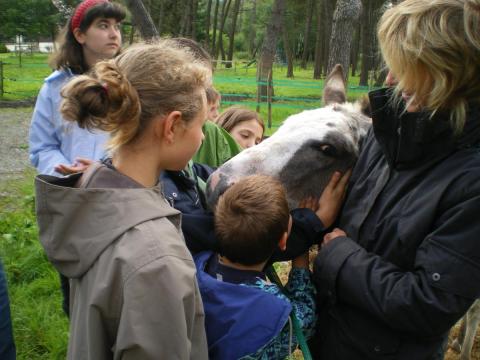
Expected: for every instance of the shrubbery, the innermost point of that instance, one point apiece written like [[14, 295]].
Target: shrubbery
[[3, 49]]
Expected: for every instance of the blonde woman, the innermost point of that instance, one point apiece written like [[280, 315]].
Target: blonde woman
[[110, 230], [405, 265]]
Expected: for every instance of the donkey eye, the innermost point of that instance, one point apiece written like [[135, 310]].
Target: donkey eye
[[328, 150]]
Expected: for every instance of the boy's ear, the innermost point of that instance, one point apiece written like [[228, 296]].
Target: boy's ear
[[168, 126], [282, 244]]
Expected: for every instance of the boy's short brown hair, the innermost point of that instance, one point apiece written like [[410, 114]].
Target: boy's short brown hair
[[250, 219], [212, 94]]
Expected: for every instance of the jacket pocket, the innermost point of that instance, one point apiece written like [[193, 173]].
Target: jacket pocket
[[449, 270], [370, 337]]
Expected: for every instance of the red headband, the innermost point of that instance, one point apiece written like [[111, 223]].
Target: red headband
[[81, 9]]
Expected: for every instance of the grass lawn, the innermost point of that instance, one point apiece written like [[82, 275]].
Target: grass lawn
[[237, 86], [23, 82], [40, 327]]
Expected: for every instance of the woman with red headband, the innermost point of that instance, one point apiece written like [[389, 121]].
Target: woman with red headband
[[91, 34], [57, 147]]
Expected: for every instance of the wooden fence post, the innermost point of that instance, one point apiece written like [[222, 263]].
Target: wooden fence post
[[259, 98], [1, 79], [269, 98]]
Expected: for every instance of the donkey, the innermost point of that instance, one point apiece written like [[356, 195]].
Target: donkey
[[468, 329], [305, 151]]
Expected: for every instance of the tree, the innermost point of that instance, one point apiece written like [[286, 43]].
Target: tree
[[324, 13], [215, 24], [142, 19], [223, 17], [286, 45], [344, 19], [355, 47], [64, 9], [32, 19], [207, 24], [306, 37], [370, 17], [269, 46], [251, 30], [236, 9]]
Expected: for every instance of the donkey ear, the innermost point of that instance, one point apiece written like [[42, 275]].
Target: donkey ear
[[334, 90]]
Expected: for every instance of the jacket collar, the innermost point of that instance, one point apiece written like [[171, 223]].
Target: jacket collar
[[411, 139]]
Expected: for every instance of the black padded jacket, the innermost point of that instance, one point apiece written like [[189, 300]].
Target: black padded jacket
[[409, 267]]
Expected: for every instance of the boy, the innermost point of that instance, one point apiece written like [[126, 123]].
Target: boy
[[219, 146], [246, 316]]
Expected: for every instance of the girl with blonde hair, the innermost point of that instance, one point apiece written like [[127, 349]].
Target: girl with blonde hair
[[404, 264], [110, 229]]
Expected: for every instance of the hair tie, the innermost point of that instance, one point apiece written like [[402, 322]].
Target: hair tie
[[105, 88], [80, 11]]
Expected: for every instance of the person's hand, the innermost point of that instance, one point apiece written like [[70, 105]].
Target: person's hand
[[79, 165], [301, 261], [332, 198], [309, 203], [332, 235]]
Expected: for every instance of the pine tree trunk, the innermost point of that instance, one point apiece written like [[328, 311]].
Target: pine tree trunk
[[161, 15], [215, 24], [269, 46], [193, 20], [344, 21], [207, 24], [252, 31], [287, 47], [370, 17], [236, 10], [355, 48], [306, 36], [223, 17], [184, 28], [328, 10], [142, 19], [319, 42]]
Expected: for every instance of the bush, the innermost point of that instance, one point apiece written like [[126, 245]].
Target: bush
[[3, 49]]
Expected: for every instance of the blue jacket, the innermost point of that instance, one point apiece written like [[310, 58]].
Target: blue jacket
[[239, 320], [7, 345], [52, 140]]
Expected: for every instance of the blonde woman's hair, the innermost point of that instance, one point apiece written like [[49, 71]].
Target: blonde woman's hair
[[122, 95], [433, 49]]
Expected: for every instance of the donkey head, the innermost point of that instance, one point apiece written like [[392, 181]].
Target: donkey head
[[305, 150]]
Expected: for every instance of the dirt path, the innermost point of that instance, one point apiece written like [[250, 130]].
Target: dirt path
[[14, 125]]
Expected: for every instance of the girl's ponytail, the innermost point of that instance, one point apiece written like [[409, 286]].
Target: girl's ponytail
[[103, 100]]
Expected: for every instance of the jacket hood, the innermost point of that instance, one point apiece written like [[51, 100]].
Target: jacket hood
[[77, 224]]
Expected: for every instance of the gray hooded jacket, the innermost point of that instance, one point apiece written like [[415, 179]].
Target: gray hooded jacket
[[133, 292]]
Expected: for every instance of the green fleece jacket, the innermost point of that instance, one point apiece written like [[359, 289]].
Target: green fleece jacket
[[218, 146]]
